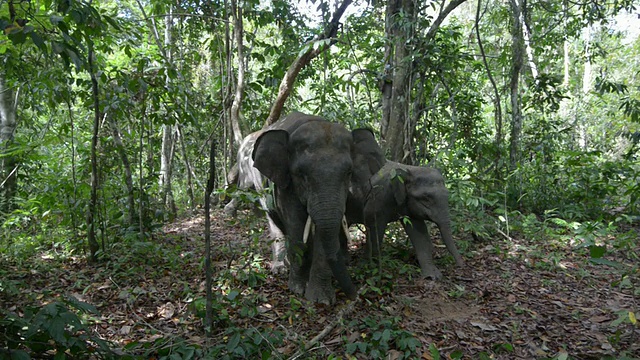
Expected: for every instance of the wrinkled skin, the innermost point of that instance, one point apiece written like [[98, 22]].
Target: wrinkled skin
[[245, 176], [377, 197], [420, 195], [295, 153]]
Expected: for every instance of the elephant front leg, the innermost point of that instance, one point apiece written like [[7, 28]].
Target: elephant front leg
[[419, 234], [319, 288], [299, 256]]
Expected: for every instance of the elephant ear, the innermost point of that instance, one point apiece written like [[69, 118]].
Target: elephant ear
[[399, 179], [271, 156], [367, 149]]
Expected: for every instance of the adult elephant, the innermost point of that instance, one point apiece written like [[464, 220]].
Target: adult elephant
[[397, 191], [245, 176], [309, 160]]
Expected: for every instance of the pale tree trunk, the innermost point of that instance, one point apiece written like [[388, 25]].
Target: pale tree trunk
[[286, 85], [226, 78], [526, 39], [587, 83], [167, 150], [166, 154], [516, 69], [8, 164], [236, 12], [566, 61], [187, 165]]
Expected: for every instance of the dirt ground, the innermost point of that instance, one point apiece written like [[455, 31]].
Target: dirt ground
[[515, 299]]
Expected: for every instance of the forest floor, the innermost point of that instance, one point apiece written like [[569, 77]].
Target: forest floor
[[515, 299]]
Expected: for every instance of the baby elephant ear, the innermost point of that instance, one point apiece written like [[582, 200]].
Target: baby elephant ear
[[399, 179], [271, 156]]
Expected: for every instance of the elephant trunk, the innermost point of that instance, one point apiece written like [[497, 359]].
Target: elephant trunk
[[447, 237], [328, 225]]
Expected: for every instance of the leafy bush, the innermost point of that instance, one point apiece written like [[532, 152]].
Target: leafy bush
[[378, 336], [53, 330]]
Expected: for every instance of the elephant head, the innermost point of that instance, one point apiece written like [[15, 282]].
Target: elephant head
[[422, 194], [309, 161]]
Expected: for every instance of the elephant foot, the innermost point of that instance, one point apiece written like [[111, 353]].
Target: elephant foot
[[431, 272], [297, 285], [278, 267], [230, 210], [320, 294]]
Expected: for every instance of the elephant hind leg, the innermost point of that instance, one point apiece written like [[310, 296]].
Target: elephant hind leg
[[278, 248]]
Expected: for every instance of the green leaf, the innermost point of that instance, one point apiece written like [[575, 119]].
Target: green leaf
[[17, 37], [597, 251], [37, 40], [56, 329], [19, 355], [82, 306], [112, 22], [435, 353], [233, 294], [233, 342], [601, 261]]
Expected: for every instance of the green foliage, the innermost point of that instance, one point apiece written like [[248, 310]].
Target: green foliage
[[376, 336], [53, 328]]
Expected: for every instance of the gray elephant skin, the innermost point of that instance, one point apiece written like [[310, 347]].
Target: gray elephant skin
[[419, 194], [309, 160], [245, 176], [397, 191]]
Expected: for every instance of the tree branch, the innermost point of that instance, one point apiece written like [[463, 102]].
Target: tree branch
[[304, 59], [441, 16]]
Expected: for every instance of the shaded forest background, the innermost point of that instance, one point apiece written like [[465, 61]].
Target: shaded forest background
[[110, 110]]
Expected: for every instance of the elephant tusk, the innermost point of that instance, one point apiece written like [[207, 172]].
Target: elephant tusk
[[307, 230], [345, 228]]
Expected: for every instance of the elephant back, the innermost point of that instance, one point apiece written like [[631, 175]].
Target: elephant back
[[293, 121]]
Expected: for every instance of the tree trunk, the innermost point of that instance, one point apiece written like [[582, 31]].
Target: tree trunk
[[93, 200], [166, 154], [496, 96], [208, 320], [8, 163], [286, 85], [526, 39], [516, 68], [128, 177], [187, 166], [396, 86], [398, 32], [236, 12]]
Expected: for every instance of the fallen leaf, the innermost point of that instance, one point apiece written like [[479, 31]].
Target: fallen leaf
[[483, 326]]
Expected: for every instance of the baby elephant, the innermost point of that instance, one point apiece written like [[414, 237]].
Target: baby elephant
[[413, 194]]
